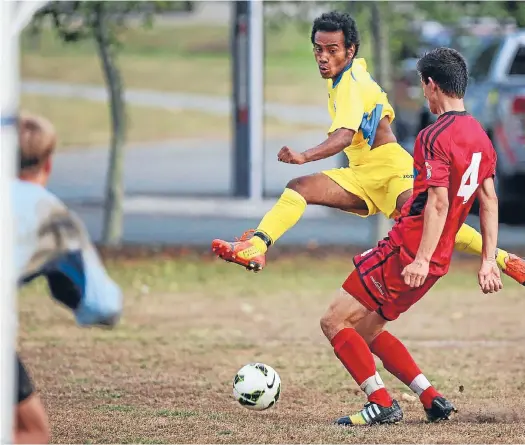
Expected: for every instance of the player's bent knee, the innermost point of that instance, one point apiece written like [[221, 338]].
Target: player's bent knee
[[332, 321], [331, 326], [344, 312], [308, 187], [298, 185], [326, 325]]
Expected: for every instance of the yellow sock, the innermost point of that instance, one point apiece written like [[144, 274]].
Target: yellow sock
[[501, 256], [469, 240], [280, 218]]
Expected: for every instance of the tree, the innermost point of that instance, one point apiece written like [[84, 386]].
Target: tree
[[103, 21], [516, 10], [383, 70]]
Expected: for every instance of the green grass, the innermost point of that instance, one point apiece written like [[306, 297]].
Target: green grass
[[81, 122], [117, 408], [288, 273], [193, 60]]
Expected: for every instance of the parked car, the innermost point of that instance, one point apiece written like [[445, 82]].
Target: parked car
[[496, 97], [408, 97]]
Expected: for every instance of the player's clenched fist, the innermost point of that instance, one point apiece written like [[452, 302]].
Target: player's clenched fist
[[489, 277], [415, 273], [287, 155]]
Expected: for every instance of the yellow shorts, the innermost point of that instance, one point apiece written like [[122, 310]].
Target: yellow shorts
[[378, 178]]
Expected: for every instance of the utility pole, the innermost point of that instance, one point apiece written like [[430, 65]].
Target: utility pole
[[248, 99]]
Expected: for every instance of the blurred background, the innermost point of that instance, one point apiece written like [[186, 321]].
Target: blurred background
[[149, 100]]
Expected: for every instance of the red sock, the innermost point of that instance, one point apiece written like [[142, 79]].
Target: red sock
[[427, 396], [355, 355], [398, 362]]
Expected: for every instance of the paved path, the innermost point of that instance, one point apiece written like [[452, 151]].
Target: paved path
[[175, 168]]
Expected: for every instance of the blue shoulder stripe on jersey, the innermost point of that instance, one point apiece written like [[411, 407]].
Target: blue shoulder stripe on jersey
[[370, 122], [340, 75]]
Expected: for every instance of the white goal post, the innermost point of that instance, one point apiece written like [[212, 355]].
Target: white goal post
[[15, 15]]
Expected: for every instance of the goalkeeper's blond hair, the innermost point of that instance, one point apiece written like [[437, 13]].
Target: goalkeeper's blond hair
[[37, 140]]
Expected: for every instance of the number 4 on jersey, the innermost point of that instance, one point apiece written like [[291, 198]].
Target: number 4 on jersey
[[469, 181]]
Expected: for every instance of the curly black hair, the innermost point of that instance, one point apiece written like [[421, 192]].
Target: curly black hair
[[447, 68], [338, 21]]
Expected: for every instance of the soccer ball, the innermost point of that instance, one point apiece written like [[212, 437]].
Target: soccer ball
[[257, 386]]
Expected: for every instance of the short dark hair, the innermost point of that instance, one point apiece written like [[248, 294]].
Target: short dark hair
[[338, 21], [447, 68]]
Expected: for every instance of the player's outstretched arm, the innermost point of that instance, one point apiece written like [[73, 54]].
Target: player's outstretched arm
[[347, 121], [58, 247], [336, 143], [436, 212], [101, 303], [489, 275]]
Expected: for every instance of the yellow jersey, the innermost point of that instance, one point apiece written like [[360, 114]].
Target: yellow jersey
[[358, 103]]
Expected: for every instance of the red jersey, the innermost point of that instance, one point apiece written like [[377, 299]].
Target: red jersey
[[455, 152]]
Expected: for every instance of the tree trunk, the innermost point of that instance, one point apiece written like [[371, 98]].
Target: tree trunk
[[382, 74], [113, 219], [381, 42]]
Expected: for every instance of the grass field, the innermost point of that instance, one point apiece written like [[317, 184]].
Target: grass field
[[195, 60], [164, 375], [81, 122]]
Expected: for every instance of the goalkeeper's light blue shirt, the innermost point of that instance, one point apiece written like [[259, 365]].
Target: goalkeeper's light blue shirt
[[51, 241]]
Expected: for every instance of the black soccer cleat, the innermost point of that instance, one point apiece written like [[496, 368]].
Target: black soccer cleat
[[441, 410], [373, 414]]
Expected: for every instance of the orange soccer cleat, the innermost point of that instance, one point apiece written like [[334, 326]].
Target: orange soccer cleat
[[242, 251], [515, 268]]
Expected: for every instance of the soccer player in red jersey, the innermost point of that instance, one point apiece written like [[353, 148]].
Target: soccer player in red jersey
[[455, 162]]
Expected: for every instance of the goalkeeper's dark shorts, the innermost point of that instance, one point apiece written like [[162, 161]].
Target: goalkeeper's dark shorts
[[23, 382]]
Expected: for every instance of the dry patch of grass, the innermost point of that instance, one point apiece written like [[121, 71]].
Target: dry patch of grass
[[164, 374]]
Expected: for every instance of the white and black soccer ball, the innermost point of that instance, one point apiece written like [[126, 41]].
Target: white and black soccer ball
[[257, 386]]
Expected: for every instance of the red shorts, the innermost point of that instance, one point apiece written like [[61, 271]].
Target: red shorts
[[378, 285]]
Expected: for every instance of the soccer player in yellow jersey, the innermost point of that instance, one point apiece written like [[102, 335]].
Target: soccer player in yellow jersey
[[379, 177]]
